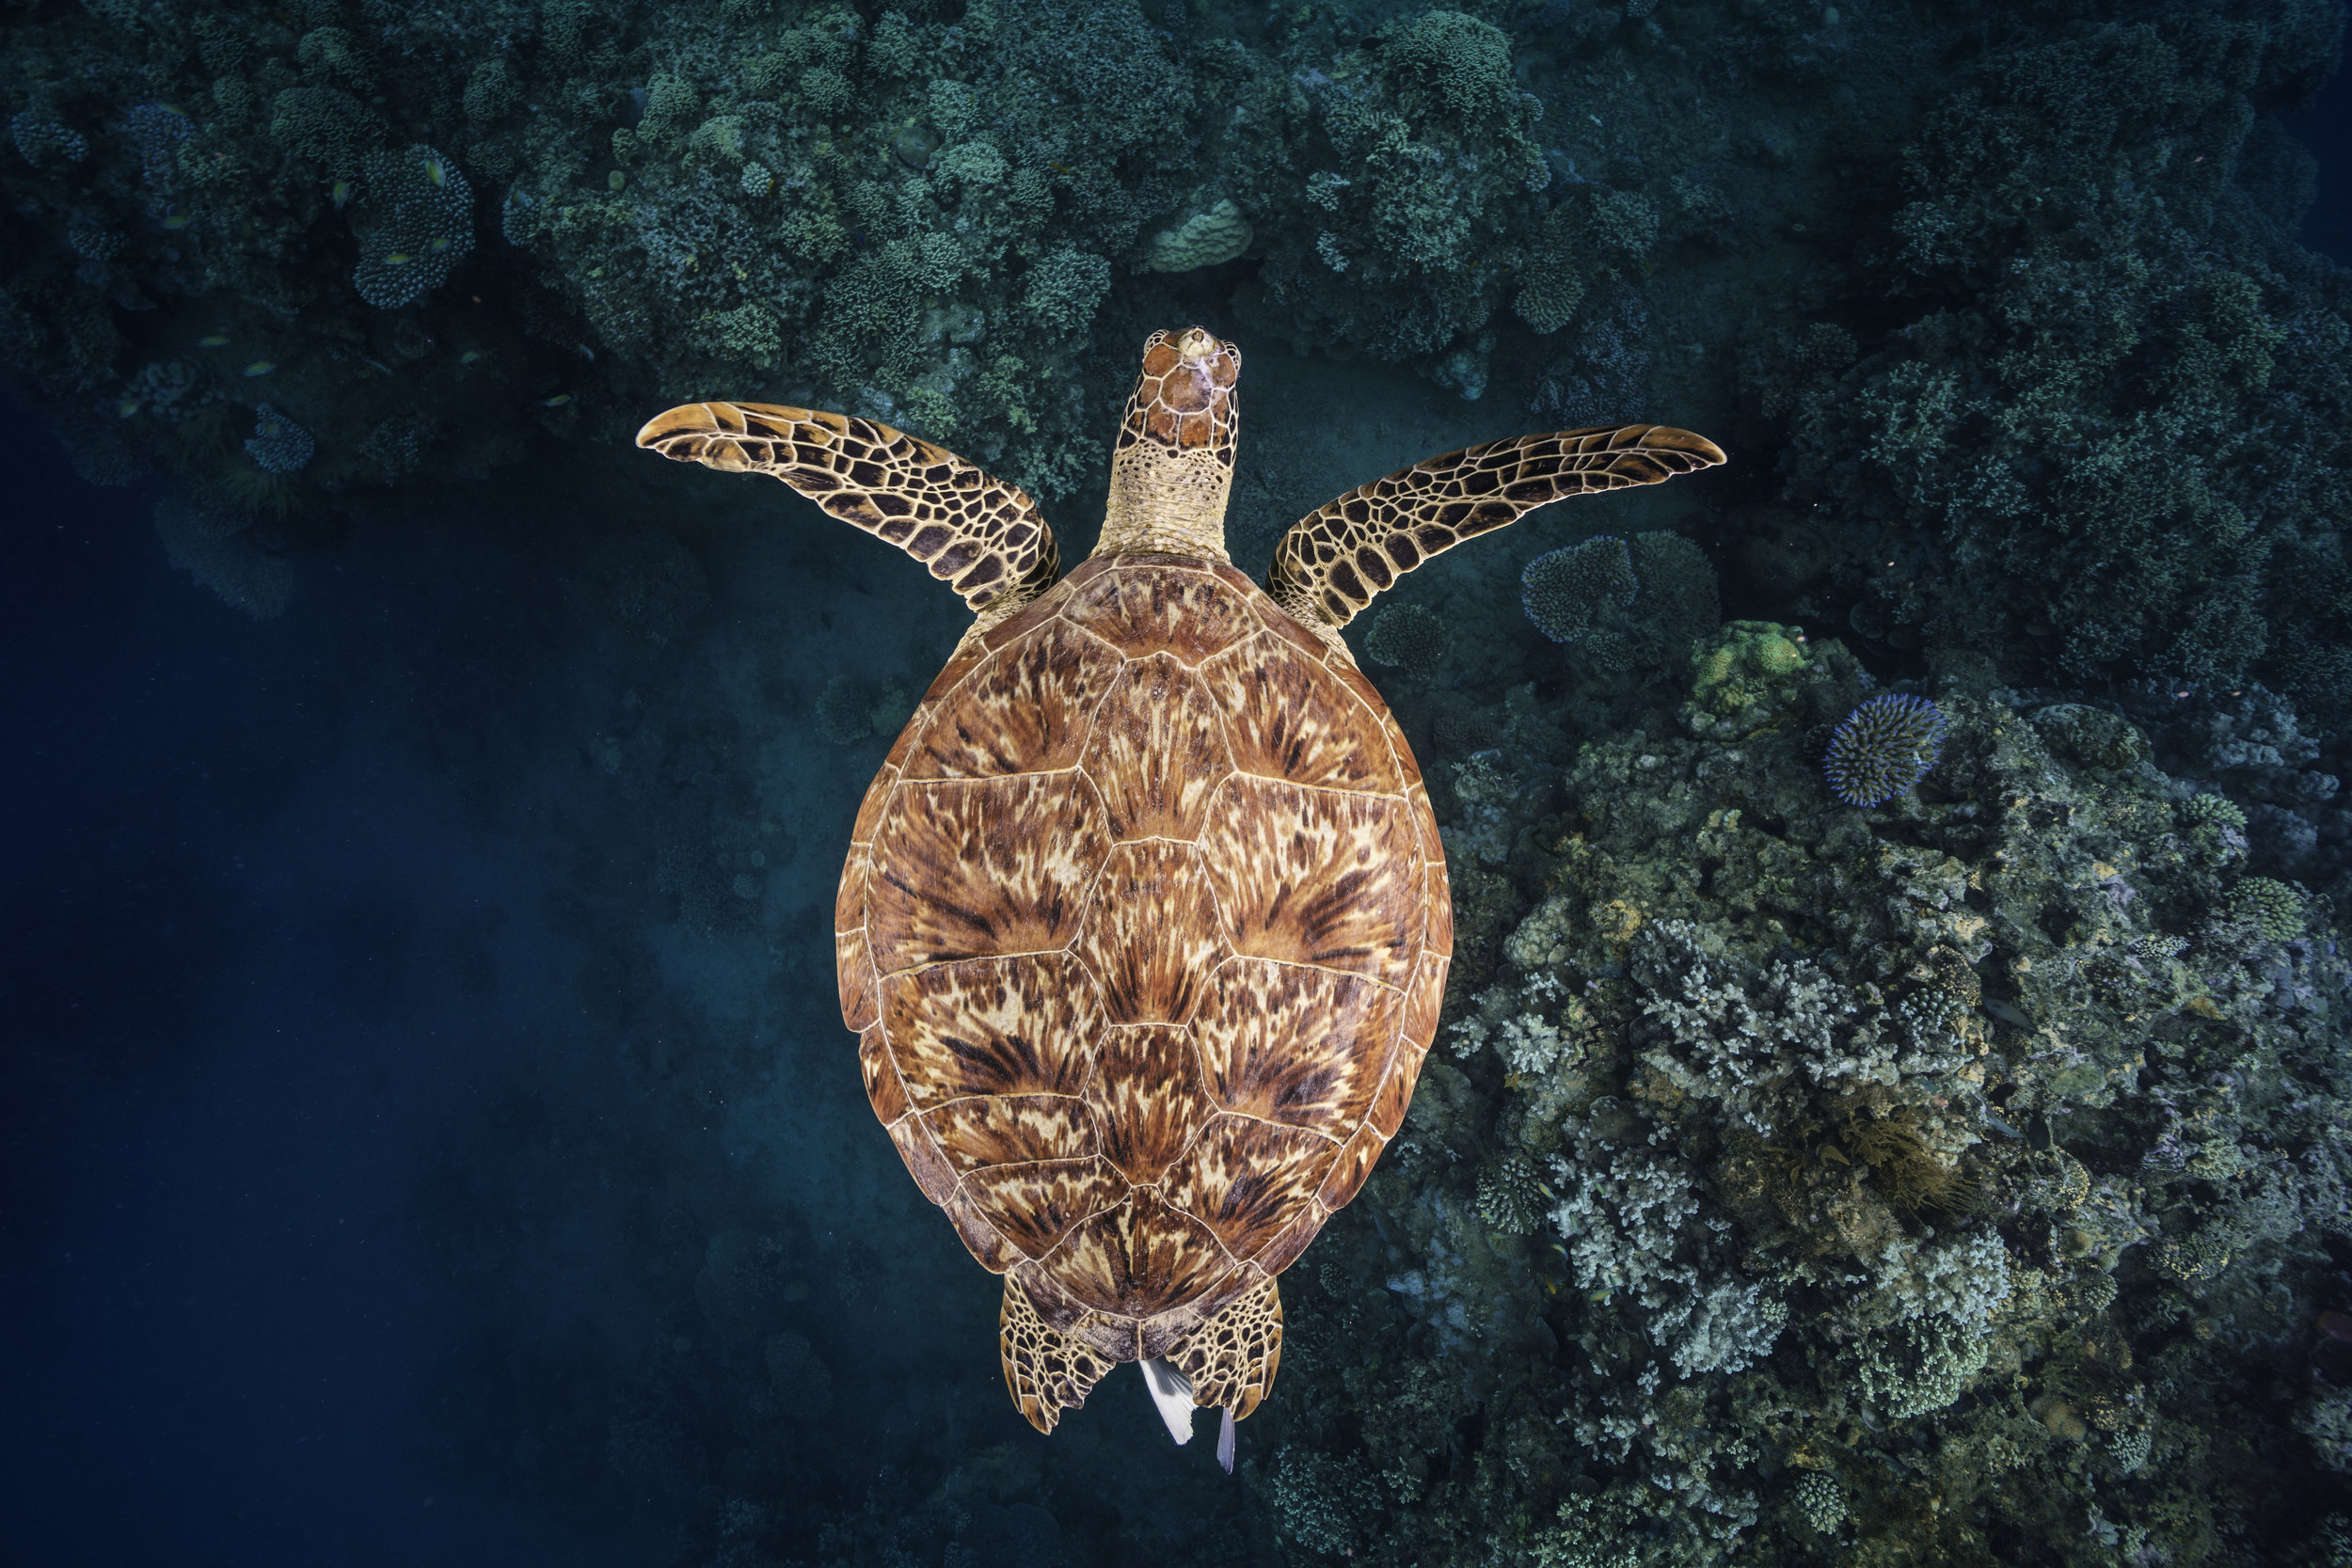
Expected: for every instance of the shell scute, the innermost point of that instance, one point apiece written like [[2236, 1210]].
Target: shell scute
[[924, 1161], [1026, 708], [1246, 1180], [1356, 1157], [985, 1131], [1157, 751], [1284, 721], [1148, 1096], [1032, 1206], [1316, 878], [1152, 934], [853, 970], [1295, 1045], [991, 1026], [1189, 611], [1425, 997], [972, 869], [871, 810], [1139, 1259], [884, 1090]]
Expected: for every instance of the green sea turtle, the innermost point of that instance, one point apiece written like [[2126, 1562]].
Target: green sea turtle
[[1144, 925]]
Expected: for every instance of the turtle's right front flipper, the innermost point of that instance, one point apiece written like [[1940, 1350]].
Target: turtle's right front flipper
[[1336, 558], [981, 534]]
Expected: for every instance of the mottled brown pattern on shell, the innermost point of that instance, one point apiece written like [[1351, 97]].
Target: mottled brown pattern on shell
[[1189, 611], [1012, 919], [1148, 1098], [1289, 1044], [1033, 1207], [1285, 721], [1246, 1180], [1026, 708], [965, 870], [1315, 876], [993, 1026], [1158, 750], [1012, 1129], [1152, 937], [1144, 1253]]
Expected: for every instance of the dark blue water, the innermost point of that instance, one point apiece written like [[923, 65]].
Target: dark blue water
[[240, 916]]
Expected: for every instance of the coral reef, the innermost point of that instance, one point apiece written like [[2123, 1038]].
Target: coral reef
[[1863, 1169]]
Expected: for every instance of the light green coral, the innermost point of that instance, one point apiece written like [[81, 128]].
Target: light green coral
[[1820, 1501], [2271, 906], [1920, 1365]]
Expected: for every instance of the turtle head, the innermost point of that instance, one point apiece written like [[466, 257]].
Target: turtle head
[[1173, 464]]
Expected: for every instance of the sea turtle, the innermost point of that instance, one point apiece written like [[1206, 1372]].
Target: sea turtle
[[1144, 925]]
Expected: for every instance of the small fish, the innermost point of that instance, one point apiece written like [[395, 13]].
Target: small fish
[[260, 366], [469, 357], [556, 401], [177, 220], [400, 258], [440, 242], [436, 170], [340, 191], [1059, 168], [1601, 1296], [376, 365], [127, 407], [212, 339]]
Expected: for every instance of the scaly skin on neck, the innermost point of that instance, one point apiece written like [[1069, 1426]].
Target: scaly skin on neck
[[1173, 465]]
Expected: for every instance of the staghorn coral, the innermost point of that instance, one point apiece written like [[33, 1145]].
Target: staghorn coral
[[1409, 638], [414, 220], [1882, 747], [277, 443]]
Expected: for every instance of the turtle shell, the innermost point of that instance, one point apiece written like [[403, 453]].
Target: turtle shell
[[1143, 932]]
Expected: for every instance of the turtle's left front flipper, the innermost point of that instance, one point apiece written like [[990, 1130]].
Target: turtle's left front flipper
[[1338, 558], [979, 533]]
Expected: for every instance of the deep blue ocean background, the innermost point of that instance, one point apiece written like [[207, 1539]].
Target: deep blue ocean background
[[368, 1126]]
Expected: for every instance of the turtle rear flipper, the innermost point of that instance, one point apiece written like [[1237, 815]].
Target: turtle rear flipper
[[1046, 1370], [1339, 557], [981, 533], [1232, 1357]]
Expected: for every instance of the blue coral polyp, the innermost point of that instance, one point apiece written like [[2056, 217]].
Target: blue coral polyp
[[1884, 748]]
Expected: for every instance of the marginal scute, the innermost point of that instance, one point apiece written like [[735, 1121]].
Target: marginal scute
[[853, 970], [1349, 1171]]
